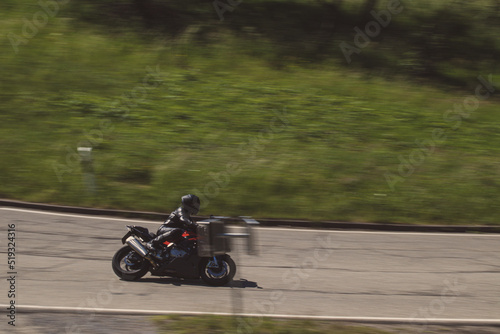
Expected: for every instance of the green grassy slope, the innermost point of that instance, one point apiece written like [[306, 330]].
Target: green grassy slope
[[217, 116]]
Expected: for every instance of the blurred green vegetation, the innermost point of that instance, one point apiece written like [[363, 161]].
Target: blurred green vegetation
[[225, 325], [259, 114]]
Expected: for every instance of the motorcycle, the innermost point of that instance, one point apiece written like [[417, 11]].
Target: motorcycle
[[182, 259]]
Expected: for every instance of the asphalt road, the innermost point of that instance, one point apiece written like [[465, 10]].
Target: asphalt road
[[64, 260]]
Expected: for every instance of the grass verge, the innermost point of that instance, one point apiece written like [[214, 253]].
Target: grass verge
[[177, 324]]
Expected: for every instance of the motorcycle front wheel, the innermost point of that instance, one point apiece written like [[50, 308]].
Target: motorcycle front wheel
[[128, 265], [219, 273]]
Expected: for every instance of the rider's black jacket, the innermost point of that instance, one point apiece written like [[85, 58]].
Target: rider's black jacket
[[179, 218]]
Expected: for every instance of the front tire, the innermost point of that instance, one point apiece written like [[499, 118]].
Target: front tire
[[128, 265], [217, 275]]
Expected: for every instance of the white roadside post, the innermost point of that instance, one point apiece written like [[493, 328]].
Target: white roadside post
[[87, 169], [249, 235]]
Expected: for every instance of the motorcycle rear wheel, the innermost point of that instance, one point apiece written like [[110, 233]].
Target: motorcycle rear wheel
[[217, 275], [128, 265]]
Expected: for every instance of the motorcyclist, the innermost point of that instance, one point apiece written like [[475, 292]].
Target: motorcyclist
[[178, 221]]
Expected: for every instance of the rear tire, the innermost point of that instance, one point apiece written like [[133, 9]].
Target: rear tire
[[128, 265], [217, 275]]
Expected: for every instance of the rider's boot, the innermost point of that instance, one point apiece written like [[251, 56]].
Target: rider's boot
[[154, 249], [150, 246], [155, 246]]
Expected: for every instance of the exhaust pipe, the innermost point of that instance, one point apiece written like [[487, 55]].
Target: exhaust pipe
[[137, 246]]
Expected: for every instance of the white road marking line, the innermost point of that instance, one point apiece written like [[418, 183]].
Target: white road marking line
[[415, 321], [291, 229], [455, 234], [79, 216]]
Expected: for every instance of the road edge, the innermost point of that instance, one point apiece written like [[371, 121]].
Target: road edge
[[263, 221]]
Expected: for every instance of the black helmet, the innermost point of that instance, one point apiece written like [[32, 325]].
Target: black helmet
[[191, 203]]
